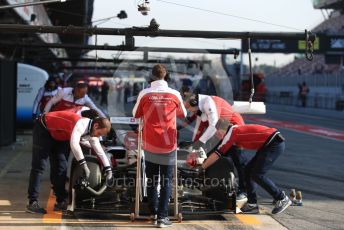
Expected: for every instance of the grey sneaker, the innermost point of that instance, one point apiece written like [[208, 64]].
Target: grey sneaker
[[35, 208], [250, 208], [154, 219], [281, 205], [60, 206], [163, 223]]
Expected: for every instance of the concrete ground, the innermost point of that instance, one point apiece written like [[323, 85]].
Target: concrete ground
[[312, 163]]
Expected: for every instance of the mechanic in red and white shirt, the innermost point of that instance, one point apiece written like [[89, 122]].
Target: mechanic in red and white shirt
[[269, 144], [45, 93], [208, 110], [72, 99], [158, 107], [54, 134]]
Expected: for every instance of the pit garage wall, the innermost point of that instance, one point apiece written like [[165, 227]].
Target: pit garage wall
[[8, 102]]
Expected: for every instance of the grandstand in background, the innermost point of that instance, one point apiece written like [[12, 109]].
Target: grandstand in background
[[324, 75]]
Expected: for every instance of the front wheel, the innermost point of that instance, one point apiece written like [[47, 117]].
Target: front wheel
[[94, 179], [220, 181]]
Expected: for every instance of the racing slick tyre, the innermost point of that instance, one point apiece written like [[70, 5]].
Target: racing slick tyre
[[94, 179], [219, 181]]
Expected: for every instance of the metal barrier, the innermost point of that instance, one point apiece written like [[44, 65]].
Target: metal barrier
[[312, 80]]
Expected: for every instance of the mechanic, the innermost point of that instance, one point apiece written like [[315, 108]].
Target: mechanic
[[54, 134], [158, 106], [44, 94], [72, 98], [208, 110], [269, 144]]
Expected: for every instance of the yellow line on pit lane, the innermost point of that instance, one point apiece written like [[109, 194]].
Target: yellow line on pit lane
[[248, 219], [52, 216]]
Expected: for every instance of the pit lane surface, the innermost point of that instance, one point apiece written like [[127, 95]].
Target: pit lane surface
[[312, 163], [15, 167]]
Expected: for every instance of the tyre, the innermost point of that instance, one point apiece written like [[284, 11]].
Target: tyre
[[217, 176], [94, 180]]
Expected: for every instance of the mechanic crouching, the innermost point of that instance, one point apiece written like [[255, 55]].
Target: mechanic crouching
[[54, 134], [158, 107], [207, 111], [269, 144]]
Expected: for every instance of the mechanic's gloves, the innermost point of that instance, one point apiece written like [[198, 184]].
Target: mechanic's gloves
[[191, 159], [86, 170], [108, 176]]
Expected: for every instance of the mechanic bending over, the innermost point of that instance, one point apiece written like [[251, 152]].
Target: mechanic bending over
[[44, 94], [54, 134], [159, 106], [208, 110], [269, 144], [72, 99]]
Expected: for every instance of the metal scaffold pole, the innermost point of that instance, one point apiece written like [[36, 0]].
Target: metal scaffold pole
[[148, 32]]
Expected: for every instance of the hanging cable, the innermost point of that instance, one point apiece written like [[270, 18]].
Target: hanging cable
[[251, 73], [230, 15]]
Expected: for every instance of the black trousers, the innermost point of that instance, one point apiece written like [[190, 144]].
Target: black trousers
[[45, 147], [239, 159]]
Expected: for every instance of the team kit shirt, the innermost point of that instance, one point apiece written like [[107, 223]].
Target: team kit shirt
[[69, 126], [213, 108], [42, 98], [250, 137], [159, 106], [64, 100]]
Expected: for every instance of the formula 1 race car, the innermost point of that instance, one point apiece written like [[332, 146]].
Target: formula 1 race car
[[195, 192]]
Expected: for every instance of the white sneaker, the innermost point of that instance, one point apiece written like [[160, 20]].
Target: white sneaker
[[165, 222], [154, 219]]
